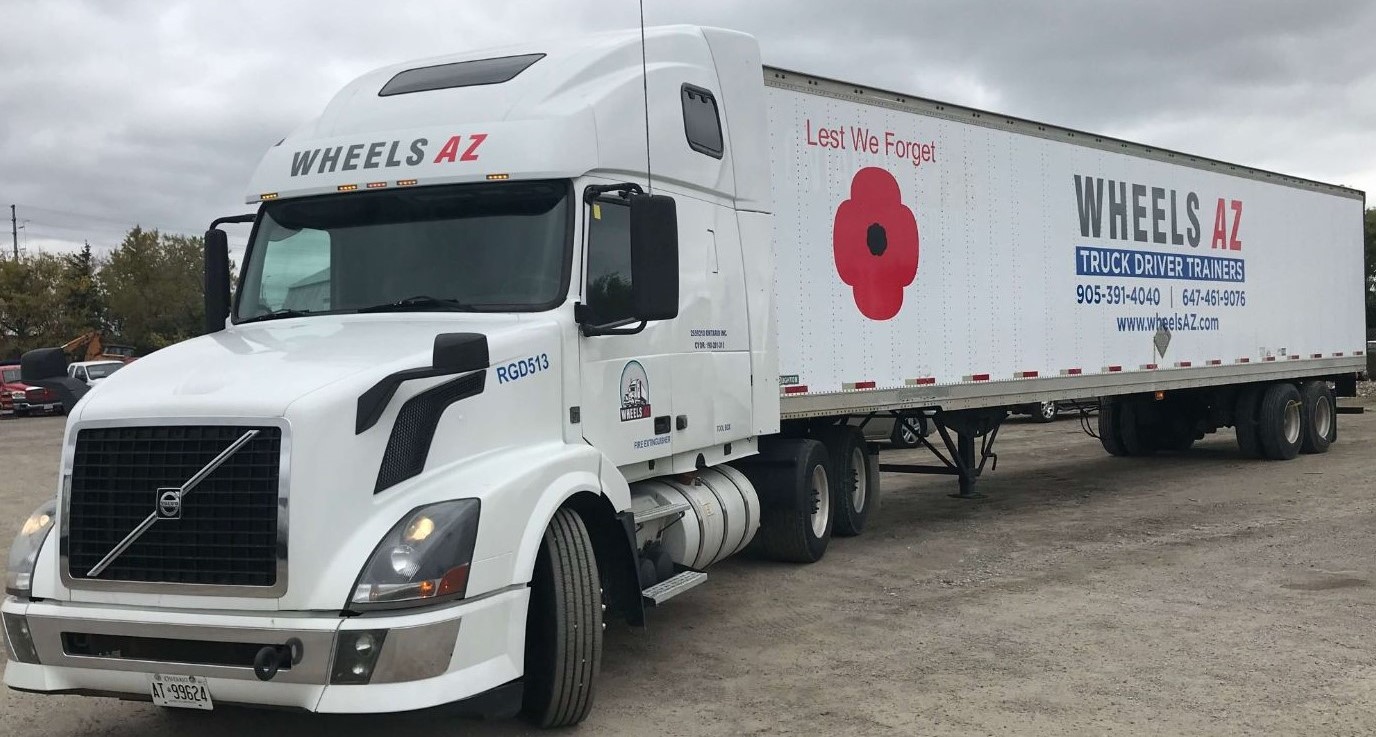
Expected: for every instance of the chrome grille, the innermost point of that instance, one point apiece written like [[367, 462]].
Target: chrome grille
[[227, 534]]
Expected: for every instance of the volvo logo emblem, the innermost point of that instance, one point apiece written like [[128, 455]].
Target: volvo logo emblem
[[170, 503]]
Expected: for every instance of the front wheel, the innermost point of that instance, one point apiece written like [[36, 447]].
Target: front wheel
[[1045, 412], [563, 626]]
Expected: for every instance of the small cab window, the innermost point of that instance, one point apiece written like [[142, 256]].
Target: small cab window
[[294, 273], [701, 122], [10, 375], [458, 74], [609, 262]]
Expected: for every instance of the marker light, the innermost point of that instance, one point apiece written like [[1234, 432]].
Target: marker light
[[268, 196], [498, 177], [405, 182], [376, 185], [347, 187]]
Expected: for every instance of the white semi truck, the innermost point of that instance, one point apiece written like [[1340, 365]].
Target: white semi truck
[[526, 339]]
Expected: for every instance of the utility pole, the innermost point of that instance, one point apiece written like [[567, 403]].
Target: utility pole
[[14, 233]]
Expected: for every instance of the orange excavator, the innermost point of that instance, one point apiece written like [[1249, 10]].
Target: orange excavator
[[92, 347]]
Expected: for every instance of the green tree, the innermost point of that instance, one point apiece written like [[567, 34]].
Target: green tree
[[83, 298], [33, 312], [152, 284]]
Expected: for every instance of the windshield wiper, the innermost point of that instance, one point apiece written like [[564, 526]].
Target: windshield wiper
[[275, 315], [419, 302]]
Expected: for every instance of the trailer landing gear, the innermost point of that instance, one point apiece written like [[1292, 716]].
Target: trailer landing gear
[[959, 458]]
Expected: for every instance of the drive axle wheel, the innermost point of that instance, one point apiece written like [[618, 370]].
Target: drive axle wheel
[[793, 479], [855, 484]]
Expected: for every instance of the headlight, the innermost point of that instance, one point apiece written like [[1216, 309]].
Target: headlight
[[423, 559], [17, 395], [24, 551]]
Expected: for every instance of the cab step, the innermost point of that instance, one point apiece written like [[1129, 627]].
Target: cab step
[[655, 513], [671, 587]]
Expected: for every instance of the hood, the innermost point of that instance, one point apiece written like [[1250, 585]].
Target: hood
[[260, 369]]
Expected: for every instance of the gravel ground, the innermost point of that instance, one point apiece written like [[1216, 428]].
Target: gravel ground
[[1188, 594]]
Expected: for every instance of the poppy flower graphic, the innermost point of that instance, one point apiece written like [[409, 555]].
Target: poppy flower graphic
[[875, 242]]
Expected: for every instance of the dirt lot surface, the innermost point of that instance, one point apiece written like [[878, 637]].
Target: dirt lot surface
[[1188, 594]]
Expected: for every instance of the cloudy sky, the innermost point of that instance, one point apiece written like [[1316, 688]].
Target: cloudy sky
[[114, 113]]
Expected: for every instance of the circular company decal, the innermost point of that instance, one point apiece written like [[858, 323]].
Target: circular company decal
[[875, 243], [635, 392]]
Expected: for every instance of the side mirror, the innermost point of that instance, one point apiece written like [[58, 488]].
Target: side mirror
[[457, 353], [216, 280], [654, 257]]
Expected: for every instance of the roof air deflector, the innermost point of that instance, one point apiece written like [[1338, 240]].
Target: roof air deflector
[[458, 74]]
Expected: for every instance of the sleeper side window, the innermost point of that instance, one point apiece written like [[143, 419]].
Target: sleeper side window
[[701, 122]]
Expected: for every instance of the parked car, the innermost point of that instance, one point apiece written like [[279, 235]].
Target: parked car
[[23, 399], [1049, 411], [903, 431], [93, 371]]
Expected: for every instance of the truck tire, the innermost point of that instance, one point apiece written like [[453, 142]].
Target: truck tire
[[1109, 434], [793, 478], [1320, 419], [1245, 420], [1133, 428], [855, 479], [563, 627], [1280, 421], [907, 432]]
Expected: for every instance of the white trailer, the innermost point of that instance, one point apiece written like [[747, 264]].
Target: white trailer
[[516, 348]]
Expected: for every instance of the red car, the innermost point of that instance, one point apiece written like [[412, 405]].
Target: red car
[[24, 399]]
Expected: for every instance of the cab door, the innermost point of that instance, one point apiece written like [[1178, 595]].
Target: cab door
[[627, 395]]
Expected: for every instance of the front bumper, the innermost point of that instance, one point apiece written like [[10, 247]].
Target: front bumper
[[427, 658], [51, 408]]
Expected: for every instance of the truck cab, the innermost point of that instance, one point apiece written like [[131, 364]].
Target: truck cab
[[481, 303]]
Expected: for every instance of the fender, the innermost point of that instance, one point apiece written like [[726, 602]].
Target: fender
[[606, 512]]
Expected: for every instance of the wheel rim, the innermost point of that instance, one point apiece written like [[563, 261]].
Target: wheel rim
[[1048, 410], [1323, 417], [905, 429], [859, 471], [1292, 422], [821, 501]]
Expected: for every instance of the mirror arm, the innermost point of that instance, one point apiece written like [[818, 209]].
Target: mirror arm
[[619, 327], [593, 191]]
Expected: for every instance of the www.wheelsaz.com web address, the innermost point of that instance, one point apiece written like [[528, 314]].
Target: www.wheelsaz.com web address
[[1179, 322]]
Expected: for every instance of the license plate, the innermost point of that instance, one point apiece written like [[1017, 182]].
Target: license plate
[[180, 692]]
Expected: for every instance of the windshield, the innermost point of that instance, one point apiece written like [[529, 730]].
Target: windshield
[[470, 247], [102, 370], [10, 375]]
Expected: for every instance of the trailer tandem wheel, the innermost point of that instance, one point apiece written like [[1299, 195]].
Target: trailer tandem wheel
[[1246, 420], [1318, 416], [1280, 424]]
